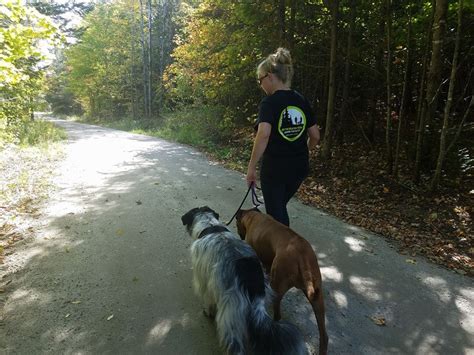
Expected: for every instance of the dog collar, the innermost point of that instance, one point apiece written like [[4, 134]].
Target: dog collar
[[212, 229]]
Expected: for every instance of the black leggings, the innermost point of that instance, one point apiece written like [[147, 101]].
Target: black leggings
[[276, 195]]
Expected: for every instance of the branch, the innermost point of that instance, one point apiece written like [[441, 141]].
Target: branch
[[361, 129], [461, 125]]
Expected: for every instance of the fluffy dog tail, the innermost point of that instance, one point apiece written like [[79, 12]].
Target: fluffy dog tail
[[270, 337], [264, 334], [243, 321]]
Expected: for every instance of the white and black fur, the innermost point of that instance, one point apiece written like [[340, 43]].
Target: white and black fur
[[230, 280]]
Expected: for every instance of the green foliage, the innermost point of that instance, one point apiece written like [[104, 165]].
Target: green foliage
[[195, 126], [59, 95], [215, 62], [218, 44], [22, 32], [101, 64], [39, 132]]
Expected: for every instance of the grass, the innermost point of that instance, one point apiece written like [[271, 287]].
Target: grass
[[32, 133]]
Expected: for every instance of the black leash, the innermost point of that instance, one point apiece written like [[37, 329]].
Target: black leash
[[255, 201]]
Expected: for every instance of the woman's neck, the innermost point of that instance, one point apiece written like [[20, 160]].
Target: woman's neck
[[280, 86]]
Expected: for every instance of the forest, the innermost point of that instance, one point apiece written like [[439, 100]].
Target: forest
[[391, 82], [397, 74]]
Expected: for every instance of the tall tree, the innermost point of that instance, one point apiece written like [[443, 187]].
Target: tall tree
[[449, 101], [378, 78], [282, 21], [23, 30], [388, 127], [405, 94], [433, 79], [146, 68], [149, 64], [328, 133], [347, 71]]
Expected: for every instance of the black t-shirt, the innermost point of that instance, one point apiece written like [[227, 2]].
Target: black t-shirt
[[290, 115]]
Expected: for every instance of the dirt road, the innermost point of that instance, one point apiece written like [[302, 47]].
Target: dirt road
[[109, 271]]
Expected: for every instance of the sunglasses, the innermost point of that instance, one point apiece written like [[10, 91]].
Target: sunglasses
[[259, 80]]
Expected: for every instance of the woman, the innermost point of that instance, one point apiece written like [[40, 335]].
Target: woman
[[286, 131]]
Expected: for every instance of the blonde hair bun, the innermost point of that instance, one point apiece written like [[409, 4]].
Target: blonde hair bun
[[279, 64], [282, 56]]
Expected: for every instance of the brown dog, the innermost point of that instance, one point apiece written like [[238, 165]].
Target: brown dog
[[289, 259]]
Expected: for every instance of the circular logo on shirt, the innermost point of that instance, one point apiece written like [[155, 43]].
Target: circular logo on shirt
[[292, 123]]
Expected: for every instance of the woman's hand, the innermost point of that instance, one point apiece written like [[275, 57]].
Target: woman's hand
[[251, 176]]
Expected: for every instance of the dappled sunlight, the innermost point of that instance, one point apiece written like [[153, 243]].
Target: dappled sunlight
[[331, 273], [354, 244], [114, 241], [353, 228], [466, 322], [439, 286], [159, 331], [340, 298], [25, 297], [366, 287]]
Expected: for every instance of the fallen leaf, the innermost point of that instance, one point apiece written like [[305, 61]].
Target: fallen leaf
[[410, 261], [386, 190], [110, 317], [75, 302], [380, 321], [67, 315], [119, 232]]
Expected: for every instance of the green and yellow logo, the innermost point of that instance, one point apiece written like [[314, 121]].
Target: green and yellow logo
[[292, 123]]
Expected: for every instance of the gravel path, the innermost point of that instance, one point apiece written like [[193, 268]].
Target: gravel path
[[109, 271]]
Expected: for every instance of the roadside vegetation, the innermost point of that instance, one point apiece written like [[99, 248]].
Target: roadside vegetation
[[28, 147]]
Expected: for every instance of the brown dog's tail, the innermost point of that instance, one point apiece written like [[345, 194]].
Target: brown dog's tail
[[312, 288], [310, 275]]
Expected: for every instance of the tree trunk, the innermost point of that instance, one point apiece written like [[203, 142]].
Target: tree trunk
[[424, 71], [292, 25], [388, 127], [162, 37], [149, 76], [281, 21], [134, 95], [144, 63], [405, 96], [379, 77], [328, 133], [347, 74], [434, 80], [447, 107]]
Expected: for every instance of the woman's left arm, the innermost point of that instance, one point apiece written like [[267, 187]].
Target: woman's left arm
[[314, 137]]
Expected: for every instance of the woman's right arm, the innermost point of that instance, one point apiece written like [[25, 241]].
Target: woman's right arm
[[314, 137]]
